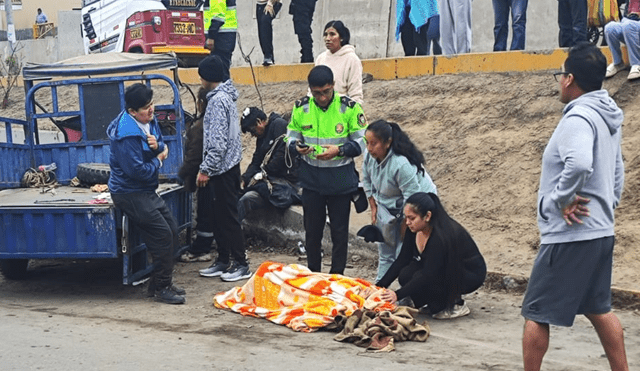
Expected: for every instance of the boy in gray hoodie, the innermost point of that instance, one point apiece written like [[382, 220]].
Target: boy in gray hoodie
[[220, 169], [580, 186]]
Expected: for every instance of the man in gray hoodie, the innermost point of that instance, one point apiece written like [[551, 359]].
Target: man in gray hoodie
[[580, 186]]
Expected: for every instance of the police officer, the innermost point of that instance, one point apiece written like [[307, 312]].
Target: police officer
[[221, 25], [302, 12], [328, 131]]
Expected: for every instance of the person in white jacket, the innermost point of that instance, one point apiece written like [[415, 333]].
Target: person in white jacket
[[343, 61]]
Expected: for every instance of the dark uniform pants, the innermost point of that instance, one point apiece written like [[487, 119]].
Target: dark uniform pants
[[315, 206], [302, 11], [224, 44]]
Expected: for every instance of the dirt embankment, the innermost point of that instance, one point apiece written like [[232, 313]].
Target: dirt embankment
[[483, 136]]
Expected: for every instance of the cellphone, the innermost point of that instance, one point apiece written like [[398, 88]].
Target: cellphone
[[302, 145]]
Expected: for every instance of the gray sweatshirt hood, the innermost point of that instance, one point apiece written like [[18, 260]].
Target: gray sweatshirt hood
[[603, 104]]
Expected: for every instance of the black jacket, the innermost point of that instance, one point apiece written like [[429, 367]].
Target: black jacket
[[277, 167], [429, 267], [192, 156]]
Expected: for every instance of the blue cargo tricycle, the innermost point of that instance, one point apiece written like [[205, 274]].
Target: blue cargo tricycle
[[78, 98]]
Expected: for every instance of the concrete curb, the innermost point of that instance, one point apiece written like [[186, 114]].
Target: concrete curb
[[286, 228], [620, 298]]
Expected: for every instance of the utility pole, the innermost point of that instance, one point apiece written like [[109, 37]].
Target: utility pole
[[11, 29]]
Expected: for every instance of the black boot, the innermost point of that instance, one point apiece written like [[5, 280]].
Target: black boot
[[151, 290], [167, 296]]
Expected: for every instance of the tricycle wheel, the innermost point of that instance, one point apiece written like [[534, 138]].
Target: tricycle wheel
[[593, 35], [93, 173], [14, 269]]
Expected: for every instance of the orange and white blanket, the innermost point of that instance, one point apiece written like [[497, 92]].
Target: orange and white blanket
[[302, 300]]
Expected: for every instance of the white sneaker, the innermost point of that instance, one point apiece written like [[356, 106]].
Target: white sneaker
[[455, 312], [612, 69], [634, 73]]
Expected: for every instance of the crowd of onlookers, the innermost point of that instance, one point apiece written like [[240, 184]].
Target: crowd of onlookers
[[309, 160], [435, 26]]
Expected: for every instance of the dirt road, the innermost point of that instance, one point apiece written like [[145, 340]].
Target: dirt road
[[76, 316]]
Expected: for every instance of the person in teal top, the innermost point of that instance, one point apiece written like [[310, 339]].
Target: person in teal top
[[393, 170]]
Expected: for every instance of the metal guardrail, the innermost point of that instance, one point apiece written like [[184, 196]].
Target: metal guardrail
[[41, 30]]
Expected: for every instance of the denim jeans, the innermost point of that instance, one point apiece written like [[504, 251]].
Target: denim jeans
[[572, 20], [249, 202], [518, 24], [628, 32]]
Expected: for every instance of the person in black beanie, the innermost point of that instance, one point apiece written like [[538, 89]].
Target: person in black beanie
[[220, 169]]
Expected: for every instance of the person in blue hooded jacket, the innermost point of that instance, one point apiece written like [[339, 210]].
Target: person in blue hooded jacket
[[137, 152]]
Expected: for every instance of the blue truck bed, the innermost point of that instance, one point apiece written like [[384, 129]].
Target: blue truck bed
[[65, 221]]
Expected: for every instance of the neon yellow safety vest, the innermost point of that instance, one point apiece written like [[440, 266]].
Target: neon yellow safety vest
[[342, 121], [222, 11]]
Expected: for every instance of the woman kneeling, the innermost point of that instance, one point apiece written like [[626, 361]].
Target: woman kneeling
[[438, 262]]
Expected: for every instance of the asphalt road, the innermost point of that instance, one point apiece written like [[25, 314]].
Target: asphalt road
[[76, 316]]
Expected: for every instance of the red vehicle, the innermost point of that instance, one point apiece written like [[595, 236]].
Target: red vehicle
[[145, 26]]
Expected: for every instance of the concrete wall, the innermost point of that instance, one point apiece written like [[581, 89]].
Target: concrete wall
[[70, 42], [24, 12], [372, 24], [67, 44]]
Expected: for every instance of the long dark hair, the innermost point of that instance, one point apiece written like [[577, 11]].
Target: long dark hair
[[400, 142], [448, 233], [202, 97]]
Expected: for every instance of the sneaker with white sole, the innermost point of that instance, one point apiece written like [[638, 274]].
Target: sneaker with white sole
[[458, 310], [612, 69], [634, 73], [215, 270], [237, 272]]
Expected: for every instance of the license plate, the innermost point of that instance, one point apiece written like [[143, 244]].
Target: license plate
[[135, 33], [184, 28]]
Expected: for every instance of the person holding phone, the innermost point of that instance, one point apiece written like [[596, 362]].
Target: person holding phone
[[328, 131]]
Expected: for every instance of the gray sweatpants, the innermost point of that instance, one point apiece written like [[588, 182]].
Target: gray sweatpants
[[455, 26]]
